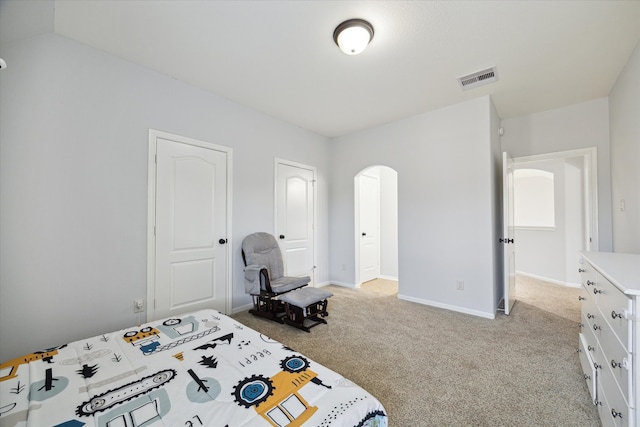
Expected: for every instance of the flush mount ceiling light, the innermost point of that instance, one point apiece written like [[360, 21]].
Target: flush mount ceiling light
[[353, 36]]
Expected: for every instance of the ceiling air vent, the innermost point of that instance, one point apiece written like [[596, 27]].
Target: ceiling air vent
[[478, 78]]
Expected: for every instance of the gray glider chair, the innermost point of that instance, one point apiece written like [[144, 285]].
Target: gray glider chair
[[276, 296], [264, 277]]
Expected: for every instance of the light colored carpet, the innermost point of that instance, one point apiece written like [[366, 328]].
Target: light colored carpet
[[434, 367], [381, 287]]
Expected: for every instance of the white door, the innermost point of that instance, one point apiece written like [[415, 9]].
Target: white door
[[369, 207], [191, 250], [508, 233], [295, 204]]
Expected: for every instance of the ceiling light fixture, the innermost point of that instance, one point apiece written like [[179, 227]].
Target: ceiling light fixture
[[353, 36]]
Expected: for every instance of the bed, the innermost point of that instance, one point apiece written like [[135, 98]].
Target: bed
[[199, 369]]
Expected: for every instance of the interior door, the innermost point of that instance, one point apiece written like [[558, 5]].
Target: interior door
[[508, 233], [191, 247], [295, 205], [369, 190]]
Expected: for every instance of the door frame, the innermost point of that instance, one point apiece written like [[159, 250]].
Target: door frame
[[508, 236], [151, 214], [279, 161]]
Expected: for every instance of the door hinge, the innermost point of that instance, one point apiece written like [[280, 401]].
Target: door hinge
[[156, 159]]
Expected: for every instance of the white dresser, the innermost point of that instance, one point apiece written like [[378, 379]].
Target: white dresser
[[609, 340]]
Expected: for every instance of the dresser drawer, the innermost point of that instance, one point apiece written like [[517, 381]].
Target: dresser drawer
[[618, 361], [591, 315], [586, 270], [612, 407], [587, 296], [591, 343], [615, 307], [588, 306], [589, 372]]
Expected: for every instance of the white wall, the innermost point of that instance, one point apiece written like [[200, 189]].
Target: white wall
[[445, 203], [74, 126], [575, 126], [624, 116]]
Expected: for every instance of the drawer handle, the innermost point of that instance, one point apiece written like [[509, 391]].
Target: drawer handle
[[617, 315], [615, 364], [581, 270], [615, 414], [596, 291], [590, 316], [596, 366], [587, 377], [590, 348], [589, 283], [580, 325], [581, 298], [596, 327]]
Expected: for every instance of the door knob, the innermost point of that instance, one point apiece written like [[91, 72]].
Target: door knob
[[364, 234], [222, 241], [282, 236]]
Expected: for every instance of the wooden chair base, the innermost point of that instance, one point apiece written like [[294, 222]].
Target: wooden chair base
[[268, 308], [306, 318], [306, 308]]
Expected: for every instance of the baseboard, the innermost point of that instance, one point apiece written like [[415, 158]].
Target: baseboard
[[448, 307], [242, 308], [345, 284], [546, 279], [321, 285]]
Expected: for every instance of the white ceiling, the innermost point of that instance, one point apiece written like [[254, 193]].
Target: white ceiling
[[279, 56]]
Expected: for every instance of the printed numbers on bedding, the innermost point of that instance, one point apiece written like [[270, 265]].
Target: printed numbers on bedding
[[191, 424], [254, 358]]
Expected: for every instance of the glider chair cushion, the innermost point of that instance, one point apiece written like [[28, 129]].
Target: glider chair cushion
[[264, 277]]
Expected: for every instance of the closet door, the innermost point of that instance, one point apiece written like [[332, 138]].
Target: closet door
[[295, 206], [369, 199], [191, 249]]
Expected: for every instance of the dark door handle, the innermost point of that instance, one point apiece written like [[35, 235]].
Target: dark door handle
[[364, 234], [222, 241], [282, 236]]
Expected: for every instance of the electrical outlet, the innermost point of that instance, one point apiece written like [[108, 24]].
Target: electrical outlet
[[138, 305], [460, 285]]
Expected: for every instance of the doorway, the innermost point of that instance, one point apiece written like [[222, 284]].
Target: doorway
[[556, 198], [376, 225]]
